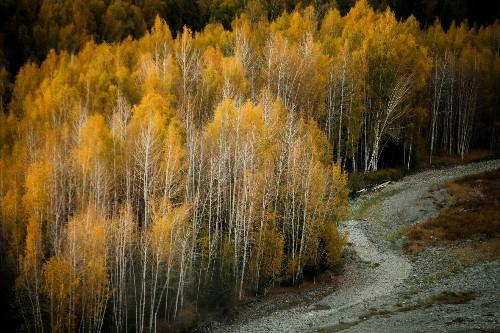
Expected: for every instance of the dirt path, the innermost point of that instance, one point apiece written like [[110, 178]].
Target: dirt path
[[382, 290]]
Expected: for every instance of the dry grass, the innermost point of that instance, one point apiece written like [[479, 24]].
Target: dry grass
[[473, 213], [444, 160], [482, 251]]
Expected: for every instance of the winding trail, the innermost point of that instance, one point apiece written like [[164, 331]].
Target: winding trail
[[381, 271]]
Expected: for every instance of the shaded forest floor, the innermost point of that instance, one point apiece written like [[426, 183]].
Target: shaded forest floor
[[361, 180]]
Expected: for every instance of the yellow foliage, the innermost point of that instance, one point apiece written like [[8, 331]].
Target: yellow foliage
[[38, 185], [334, 243], [58, 285], [86, 257], [33, 250], [159, 39], [272, 247], [165, 228], [316, 141], [95, 143], [214, 36]]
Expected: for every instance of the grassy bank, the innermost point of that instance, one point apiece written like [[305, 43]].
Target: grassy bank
[[471, 213]]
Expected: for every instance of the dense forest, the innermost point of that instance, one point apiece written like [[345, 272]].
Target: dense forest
[[150, 172]]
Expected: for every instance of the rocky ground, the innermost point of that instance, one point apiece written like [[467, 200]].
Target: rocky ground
[[383, 289]]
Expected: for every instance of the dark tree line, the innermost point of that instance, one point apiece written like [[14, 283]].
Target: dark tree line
[[29, 29]]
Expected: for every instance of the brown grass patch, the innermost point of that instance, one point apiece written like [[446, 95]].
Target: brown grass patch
[[445, 160], [481, 251], [473, 213]]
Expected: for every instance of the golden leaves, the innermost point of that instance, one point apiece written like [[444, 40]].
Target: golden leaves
[[94, 144]]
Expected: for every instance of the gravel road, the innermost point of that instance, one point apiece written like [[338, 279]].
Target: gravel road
[[384, 290]]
